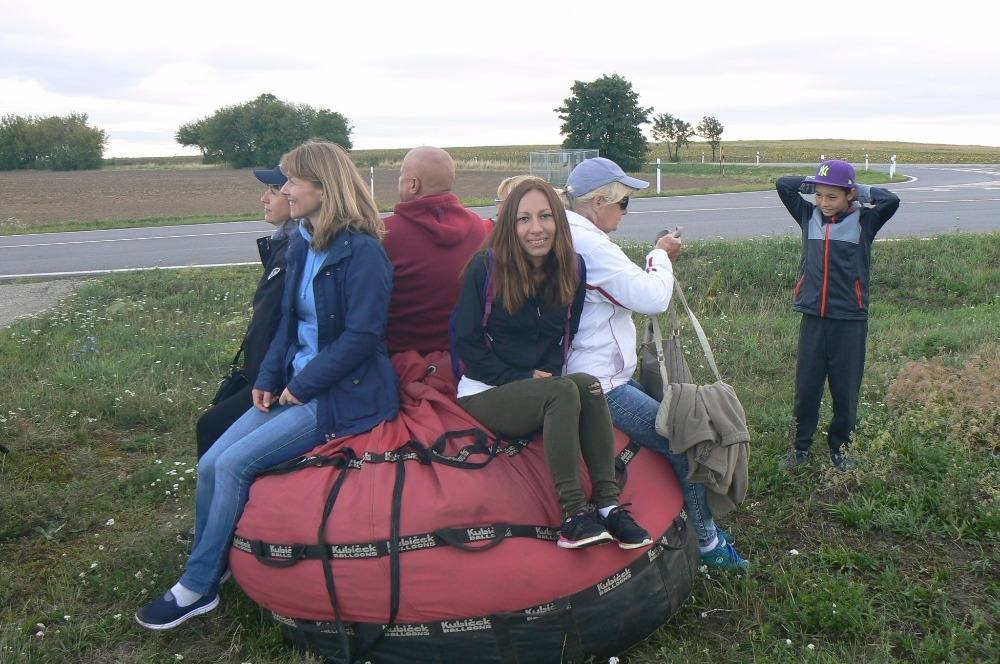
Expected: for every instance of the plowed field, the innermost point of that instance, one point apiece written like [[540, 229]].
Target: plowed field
[[29, 198]]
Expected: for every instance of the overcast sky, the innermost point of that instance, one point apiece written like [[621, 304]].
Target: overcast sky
[[480, 73]]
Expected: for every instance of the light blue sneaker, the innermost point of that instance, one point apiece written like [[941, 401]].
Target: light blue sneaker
[[724, 558]]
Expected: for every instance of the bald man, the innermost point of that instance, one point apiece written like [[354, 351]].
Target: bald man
[[430, 239]]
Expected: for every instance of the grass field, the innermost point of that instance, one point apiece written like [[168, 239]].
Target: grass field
[[798, 152], [896, 562], [515, 157]]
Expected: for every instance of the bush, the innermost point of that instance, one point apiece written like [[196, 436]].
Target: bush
[[258, 132], [59, 143]]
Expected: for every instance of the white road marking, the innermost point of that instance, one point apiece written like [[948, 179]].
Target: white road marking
[[124, 239], [81, 273]]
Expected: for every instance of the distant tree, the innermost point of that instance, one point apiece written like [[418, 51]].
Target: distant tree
[[61, 143], [674, 132], [711, 130], [258, 132], [605, 114]]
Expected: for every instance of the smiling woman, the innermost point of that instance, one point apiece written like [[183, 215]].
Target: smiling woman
[[513, 352]]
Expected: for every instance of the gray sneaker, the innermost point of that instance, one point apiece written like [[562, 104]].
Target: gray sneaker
[[842, 462], [794, 459]]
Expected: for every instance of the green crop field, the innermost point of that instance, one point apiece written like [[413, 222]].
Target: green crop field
[[898, 561]]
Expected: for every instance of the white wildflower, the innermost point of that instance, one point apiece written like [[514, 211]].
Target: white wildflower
[[811, 646], [109, 522], [793, 552]]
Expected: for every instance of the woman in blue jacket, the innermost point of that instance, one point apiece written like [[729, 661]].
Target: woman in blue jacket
[[326, 374]]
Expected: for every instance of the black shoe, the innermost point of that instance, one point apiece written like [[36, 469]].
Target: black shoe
[[582, 529], [842, 462], [622, 526], [795, 459]]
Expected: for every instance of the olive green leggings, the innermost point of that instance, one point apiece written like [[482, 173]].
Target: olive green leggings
[[573, 415]]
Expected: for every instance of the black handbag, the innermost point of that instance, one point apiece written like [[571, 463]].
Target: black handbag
[[234, 381]]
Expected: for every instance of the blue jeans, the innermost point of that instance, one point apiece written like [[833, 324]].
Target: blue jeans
[[634, 412], [255, 442]]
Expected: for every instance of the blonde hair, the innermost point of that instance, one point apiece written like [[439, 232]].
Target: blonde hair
[[346, 203], [613, 192], [508, 184]]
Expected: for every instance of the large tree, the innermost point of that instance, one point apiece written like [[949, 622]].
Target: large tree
[[674, 132], [605, 114], [711, 130], [258, 132], [59, 143]]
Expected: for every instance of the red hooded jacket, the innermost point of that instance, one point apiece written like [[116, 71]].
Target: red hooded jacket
[[429, 241]]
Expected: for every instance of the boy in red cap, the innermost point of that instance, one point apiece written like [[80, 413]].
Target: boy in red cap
[[831, 293]]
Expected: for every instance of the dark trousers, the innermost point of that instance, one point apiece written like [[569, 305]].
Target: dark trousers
[[214, 421], [829, 351], [574, 421]]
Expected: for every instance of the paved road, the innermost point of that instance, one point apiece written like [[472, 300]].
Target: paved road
[[942, 199]]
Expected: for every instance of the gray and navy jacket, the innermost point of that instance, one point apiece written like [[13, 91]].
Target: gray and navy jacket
[[836, 251]]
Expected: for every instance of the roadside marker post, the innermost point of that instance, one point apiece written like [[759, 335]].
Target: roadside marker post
[[657, 176], [758, 157], [892, 167], [371, 180], [866, 162]]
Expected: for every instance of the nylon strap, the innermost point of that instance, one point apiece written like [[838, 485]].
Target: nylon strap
[[699, 331]]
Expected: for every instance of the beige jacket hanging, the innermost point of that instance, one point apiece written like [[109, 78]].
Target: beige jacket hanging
[[707, 424]]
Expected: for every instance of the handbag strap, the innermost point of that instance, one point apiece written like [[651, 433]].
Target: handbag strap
[[699, 331], [236, 358]]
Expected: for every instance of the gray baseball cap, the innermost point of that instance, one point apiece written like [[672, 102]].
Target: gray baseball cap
[[596, 172]]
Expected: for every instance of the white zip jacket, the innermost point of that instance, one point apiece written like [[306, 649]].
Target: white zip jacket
[[605, 345]]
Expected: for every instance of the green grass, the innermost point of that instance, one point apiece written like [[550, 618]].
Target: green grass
[[896, 562], [515, 157], [806, 151]]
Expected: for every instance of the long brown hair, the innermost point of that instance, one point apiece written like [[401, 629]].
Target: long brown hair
[[513, 273], [347, 203]]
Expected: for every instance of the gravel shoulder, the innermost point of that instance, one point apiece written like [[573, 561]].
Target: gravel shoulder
[[19, 300]]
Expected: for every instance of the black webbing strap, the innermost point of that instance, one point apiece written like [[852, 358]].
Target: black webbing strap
[[468, 539], [562, 609], [331, 588], [476, 538]]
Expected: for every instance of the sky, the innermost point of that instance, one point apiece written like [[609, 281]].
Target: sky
[[479, 73]]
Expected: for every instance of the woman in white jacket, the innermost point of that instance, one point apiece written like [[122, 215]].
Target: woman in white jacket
[[597, 196]]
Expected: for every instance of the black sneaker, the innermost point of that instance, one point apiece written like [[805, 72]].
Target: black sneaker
[[842, 462], [795, 459], [622, 526], [582, 529]]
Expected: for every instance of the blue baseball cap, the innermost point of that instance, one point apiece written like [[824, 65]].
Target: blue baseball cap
[[835, 173], [596, 172], [270, 176]]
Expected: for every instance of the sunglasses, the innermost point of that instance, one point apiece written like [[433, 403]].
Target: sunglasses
[[623, 204]]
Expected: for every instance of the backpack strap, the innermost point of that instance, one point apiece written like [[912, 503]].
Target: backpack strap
[[488, 296]]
